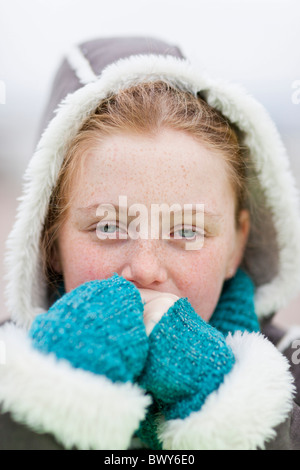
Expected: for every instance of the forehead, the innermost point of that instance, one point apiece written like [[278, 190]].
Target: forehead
[[170, 167]]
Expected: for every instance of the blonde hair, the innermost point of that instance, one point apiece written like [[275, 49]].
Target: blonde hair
[[144, 108]]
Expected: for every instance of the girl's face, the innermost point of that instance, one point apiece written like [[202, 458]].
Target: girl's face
[[170, 168]]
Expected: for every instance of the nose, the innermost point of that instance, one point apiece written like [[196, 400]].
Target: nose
[[145, 266]]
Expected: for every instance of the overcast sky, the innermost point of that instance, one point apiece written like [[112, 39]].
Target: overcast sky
[[254, 42]]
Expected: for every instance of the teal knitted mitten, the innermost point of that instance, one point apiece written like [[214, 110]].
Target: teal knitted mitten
[[235, 310], [147, 431], [96, 327], [187, 361]]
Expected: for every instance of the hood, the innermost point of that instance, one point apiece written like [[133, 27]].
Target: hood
[[97, 68]]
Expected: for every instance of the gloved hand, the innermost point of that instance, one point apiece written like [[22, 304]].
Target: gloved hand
[[235, 310], [147, 430], [98, 327], [187, 360]]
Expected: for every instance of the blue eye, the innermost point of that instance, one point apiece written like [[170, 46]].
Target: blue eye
[[187, 234], [108, 230]]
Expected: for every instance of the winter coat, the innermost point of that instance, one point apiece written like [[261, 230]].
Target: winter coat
[[46, 404]]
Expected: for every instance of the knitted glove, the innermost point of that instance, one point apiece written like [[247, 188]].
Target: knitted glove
[[187, 361], [96, 327], [235, 310], [147, 431]]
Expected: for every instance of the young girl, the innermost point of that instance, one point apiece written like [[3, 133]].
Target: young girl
[[119, 339]]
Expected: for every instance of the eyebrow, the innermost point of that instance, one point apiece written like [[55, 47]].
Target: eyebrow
[[91, 209]]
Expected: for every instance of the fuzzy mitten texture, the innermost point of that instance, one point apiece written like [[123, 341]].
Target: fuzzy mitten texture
[[97, 327], [187, 361], [147, 431], [235, 310]]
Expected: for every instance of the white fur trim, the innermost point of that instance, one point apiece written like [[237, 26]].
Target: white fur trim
[[79, 408], [81, 66], [25, 290], [255, 397]]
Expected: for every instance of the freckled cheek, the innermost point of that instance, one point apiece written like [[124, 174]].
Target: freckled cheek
[[82, 262], [201, 280]]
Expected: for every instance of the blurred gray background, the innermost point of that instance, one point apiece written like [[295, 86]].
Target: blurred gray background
[[253, 42]]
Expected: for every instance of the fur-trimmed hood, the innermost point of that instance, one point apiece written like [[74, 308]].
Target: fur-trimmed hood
[[98, 68]]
